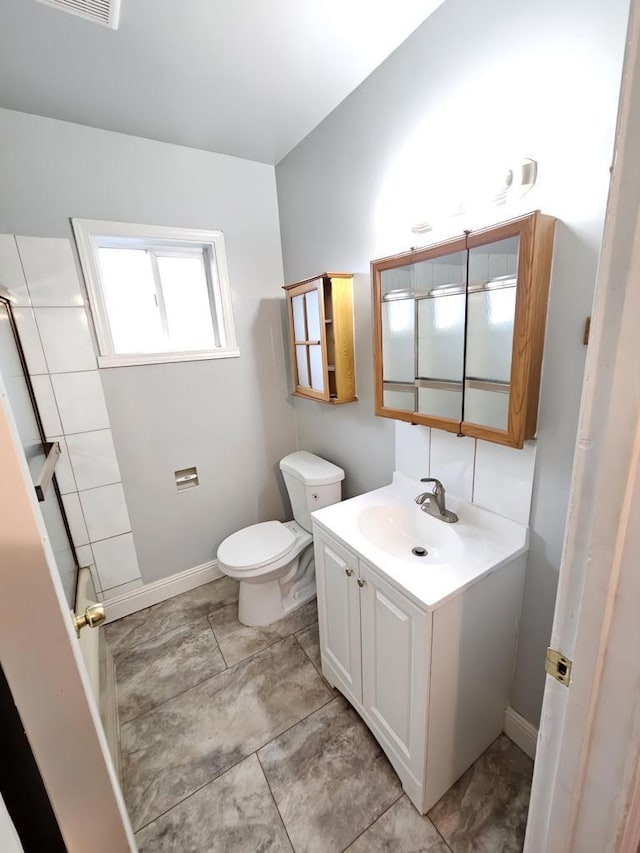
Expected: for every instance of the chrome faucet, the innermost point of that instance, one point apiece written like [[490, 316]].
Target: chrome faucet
[[433, 502]]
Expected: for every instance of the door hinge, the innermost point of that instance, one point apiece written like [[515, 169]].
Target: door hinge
[[558, 666]]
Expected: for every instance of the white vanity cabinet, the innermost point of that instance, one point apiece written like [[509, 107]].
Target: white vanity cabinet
[[430, 683], [339, 618]]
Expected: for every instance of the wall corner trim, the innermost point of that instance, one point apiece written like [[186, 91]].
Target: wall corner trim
[[153, 593], [520, 731]]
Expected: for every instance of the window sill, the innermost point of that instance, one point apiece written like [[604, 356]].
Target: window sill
[[136, 359]]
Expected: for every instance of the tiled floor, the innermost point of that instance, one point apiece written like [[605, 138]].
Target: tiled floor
[[232, 742]]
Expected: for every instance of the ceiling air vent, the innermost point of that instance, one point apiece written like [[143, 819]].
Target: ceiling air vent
[[105, 12]]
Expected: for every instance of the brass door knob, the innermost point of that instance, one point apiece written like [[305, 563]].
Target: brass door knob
[[93, 616]]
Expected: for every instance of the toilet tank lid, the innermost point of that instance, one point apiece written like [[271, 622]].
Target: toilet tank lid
[[311, 469]]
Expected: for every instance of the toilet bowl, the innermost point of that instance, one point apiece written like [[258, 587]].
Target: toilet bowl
[[273, 560]]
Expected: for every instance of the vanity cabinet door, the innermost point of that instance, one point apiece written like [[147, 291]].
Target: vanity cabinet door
[[339, 614], [396, 640]]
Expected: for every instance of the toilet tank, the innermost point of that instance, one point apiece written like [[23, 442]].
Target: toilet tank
[[312, 483]]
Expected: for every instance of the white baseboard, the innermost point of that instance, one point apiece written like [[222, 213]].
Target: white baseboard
[[520, 731], [153, 593]]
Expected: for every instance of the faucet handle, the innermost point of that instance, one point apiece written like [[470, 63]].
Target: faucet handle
[[438, 487]]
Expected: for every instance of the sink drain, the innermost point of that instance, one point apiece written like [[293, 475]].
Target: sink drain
[[419, 551]]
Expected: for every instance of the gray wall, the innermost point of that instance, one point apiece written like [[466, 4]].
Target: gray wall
[[545, 77], [230, 417]]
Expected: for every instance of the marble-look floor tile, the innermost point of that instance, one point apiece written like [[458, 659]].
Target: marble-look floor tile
[[486, 810], [309, 639], [172, 613], [400, 829], [238, 641], [329, 778], [158, 669], [170, 752], [233, 814]]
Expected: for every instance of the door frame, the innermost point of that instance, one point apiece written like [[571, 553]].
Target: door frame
[[586, 784], [41, 658]]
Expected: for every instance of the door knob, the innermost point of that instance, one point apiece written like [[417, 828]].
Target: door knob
[[360, 582], [93, 616], [348, 572]]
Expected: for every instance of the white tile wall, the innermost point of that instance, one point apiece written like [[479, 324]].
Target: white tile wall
[[58, 346], [412, 450], [93, 458], [50, 270], [64, 473], [80, 401], [84, 555], [494, 477], [11, 275], [66, 339], [30, 340], [105, 512], [76, 519], [114, 591], [116, 561], [451, 461], [504, 479], [47, 404]]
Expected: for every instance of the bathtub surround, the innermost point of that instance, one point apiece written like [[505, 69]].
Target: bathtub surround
[[476, 83], [54, 329]]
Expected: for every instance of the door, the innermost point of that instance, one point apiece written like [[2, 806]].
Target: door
[[586, 785], [43, 666], [339, 615], [395, 668], [40, 455]]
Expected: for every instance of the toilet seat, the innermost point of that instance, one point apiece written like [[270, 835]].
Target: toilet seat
[[257, 546]]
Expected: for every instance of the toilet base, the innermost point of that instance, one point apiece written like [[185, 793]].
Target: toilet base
[[261, 604]]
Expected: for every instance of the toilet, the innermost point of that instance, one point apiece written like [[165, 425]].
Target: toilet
[[273, 561]]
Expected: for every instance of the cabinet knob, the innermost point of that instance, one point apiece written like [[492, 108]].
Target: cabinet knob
[[348, 572], [360, 582]]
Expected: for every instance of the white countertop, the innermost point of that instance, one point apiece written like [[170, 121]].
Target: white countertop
[[382, 526]]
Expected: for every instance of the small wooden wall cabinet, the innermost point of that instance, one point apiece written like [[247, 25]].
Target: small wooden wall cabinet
[[459, 331], [320, 311]]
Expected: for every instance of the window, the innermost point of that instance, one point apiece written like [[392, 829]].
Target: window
[[157, 294]]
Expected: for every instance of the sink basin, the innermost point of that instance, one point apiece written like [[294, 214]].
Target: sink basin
[[385, 525], [397, 530]]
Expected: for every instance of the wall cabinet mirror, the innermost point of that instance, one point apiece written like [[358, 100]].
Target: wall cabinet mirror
[[459, 331]]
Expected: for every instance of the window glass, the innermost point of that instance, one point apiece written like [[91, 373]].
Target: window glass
[[129, 291], [186, 300]]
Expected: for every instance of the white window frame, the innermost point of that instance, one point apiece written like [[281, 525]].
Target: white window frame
[[92, 234]]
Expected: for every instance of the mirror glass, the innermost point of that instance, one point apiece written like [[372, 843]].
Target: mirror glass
[[423, 336], [491, 301], [441, 306]]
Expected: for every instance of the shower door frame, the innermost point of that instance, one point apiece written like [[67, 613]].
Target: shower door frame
[[6, 300]]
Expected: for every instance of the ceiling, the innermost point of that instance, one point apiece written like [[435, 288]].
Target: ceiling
[[243, 77]]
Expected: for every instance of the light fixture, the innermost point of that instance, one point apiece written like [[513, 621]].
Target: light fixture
[[511, 185]]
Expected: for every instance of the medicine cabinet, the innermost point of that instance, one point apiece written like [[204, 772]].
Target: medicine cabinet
[[459, 331], [320, 312]]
